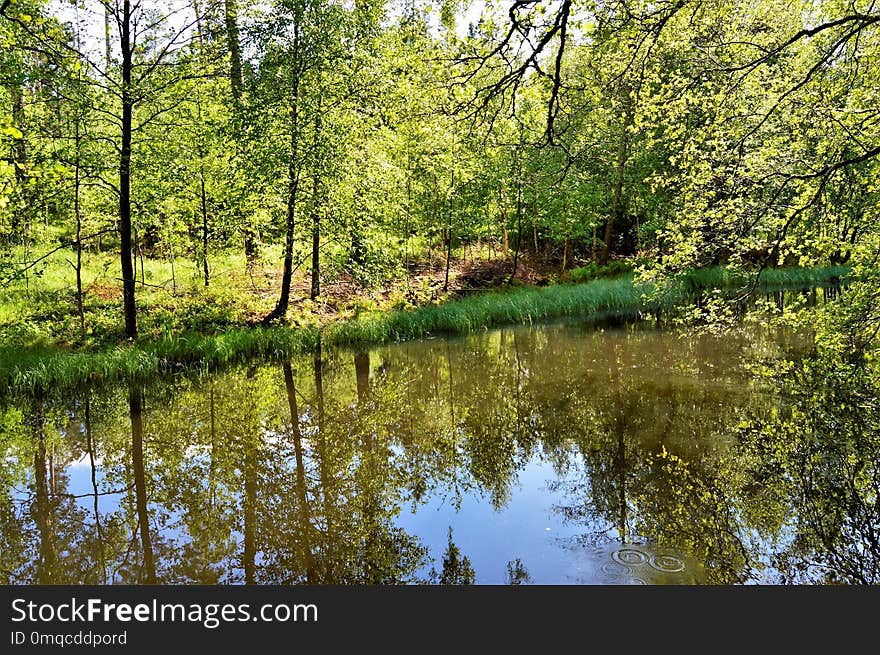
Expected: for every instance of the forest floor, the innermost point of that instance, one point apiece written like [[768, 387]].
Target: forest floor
[[40, 310], [425, 283]]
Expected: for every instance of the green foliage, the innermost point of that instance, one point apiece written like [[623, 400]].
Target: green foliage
[[595, 270], [517, 574], [822, 449], [457, 568]]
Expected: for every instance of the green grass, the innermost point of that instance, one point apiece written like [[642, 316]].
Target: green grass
[[41, 367], [486, 310], [771, 279], [42, 309]]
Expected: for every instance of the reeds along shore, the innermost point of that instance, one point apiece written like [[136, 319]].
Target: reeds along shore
[[33, 369]]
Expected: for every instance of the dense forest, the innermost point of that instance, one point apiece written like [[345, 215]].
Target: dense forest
[[193, 166]]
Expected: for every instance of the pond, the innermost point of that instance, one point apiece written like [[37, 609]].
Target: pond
[[556, 454]]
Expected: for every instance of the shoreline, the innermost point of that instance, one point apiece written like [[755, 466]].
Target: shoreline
[[40, 368]]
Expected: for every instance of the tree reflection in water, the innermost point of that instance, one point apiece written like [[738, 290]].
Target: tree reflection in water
[[664, 461]]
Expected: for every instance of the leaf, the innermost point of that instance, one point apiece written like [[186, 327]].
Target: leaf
[[12, 131]]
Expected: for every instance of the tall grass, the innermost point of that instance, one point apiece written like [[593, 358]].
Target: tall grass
[[40, 368], [529, 305], [35, 369], [770, 279]]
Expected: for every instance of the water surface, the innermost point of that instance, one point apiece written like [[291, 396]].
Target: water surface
[[557, 454]]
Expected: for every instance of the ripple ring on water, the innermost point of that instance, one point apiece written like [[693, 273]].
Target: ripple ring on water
[[667, 563], [629, 557], [616, 569]]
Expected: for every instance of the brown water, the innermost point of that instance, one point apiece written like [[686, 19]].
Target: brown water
[[555, 454]]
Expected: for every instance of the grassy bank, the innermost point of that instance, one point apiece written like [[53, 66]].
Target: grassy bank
[[29, 369]]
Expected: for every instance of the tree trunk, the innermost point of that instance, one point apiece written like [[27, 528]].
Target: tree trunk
[[316, 212], [212, 467], [204, 225], [505, 244], [78, 214], [236, 85], [408, 217], [293, 169], [171, 261], [622, 155], [251, 466], [620, 463], [125, 250], [518, 221], [236, 80], [48, 559], [305, 523], [362, 374], [135, 411], [316, 256], [139, 254], [19, 221], [90, 444], [358, 249], [370, 494], [448, 257], [327, 490], [535, 233], [316, 246], [250, 514], [448, 232], [108, 59], [203, 196]]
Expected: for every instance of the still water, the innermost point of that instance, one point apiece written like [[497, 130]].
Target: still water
[[563, 454]]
